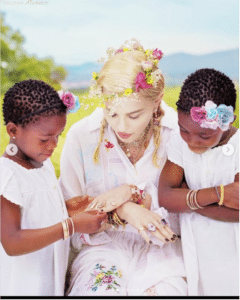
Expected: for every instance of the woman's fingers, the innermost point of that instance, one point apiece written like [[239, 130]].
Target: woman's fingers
[[143, 232]]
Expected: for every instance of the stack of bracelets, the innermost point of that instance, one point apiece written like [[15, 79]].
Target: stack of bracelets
[[191, 198], [137, 197], [66, 231]]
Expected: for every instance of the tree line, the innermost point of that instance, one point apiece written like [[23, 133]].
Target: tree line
[[17, 65]]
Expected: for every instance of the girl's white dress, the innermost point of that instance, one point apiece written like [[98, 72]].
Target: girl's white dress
[[37, 192], [210, 247], [118, 262]]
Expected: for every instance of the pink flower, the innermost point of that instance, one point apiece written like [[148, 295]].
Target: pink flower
[[108, 145], [140, 82], [198, 114], [68, 99], [118, 51], [157, 54]]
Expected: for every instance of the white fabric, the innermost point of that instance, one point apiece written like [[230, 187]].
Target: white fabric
[[37, 192], [79, 176], [210, 247]]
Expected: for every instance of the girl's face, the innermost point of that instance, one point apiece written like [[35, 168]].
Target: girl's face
[[130, 118], [199, 139], [38, 141]]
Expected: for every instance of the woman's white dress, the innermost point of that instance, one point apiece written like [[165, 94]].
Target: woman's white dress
[[37, 192], [117, 262], [210, 247]]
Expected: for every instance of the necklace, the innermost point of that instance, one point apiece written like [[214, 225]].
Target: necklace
[[227, 138], [136, 146]]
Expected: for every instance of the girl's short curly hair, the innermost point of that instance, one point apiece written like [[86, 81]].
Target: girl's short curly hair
[[28, 100], [206, 84]]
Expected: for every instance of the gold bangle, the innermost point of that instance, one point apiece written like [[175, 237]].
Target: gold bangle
[[222, 195], [195, 200], [118, 220], [65, 230], [189, 200], [73, 229]]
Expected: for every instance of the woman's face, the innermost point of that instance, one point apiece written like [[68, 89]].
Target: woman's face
[[130, 118]]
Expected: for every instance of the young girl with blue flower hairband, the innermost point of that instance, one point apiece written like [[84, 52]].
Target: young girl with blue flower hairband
[[206, 154], [35, 223]]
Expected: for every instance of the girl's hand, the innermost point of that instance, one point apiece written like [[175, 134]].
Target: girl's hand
[[231, 195], [89, 222], [144, 220], [111, 199], [78, 204]]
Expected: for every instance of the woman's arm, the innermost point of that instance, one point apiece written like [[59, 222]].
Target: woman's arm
[[173, 198], [17, 241], [116, 197]]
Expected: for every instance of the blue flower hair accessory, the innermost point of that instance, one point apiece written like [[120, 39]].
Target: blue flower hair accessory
[[213, 116]]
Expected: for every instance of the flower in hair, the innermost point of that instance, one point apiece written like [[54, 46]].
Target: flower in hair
[[157, 54], [70, 101], [211, 116], [140, 82], [95, 75], [128, 91], [144, 80], [147, 66]]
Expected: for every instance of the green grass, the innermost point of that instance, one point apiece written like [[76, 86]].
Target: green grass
[[170, 97]]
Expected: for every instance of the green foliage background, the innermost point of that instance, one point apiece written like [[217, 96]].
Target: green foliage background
[[17, 65]]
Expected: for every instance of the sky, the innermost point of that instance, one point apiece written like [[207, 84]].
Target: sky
[[73, 32]]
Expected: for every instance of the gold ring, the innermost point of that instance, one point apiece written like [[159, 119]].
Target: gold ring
[[141, 229]]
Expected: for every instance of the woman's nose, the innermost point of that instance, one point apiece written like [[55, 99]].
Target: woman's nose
[[122, 125]]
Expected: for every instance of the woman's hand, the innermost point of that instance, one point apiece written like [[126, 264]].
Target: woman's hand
[[111, 199], [231, 195], [145, 221], [89, 222]]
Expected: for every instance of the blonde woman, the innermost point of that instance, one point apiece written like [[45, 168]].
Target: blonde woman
[[116, 155]]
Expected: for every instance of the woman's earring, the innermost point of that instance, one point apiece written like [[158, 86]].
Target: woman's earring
[[12, 149], [156, 117]]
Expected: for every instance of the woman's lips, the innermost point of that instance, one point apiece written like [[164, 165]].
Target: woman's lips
[[124, 135]]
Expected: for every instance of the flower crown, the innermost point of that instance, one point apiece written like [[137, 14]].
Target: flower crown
[[144, 80], [70, 100], [213, 116]]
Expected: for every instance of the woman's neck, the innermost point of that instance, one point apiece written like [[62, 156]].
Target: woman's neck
[[135, 150]]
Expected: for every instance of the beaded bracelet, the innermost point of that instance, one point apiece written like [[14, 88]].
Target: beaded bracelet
[[137, 195], [114, 220]]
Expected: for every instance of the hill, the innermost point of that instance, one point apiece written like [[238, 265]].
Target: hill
[[175, 67]]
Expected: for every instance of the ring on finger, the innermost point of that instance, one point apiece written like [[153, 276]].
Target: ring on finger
[[92, 205], [113, 203], [141, 229], [151, 227], [100, 205]]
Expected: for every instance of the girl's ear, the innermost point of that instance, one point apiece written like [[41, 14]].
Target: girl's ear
[[12, 129]]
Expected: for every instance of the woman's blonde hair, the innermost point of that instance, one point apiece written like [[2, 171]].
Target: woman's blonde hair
[[118, 74]]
